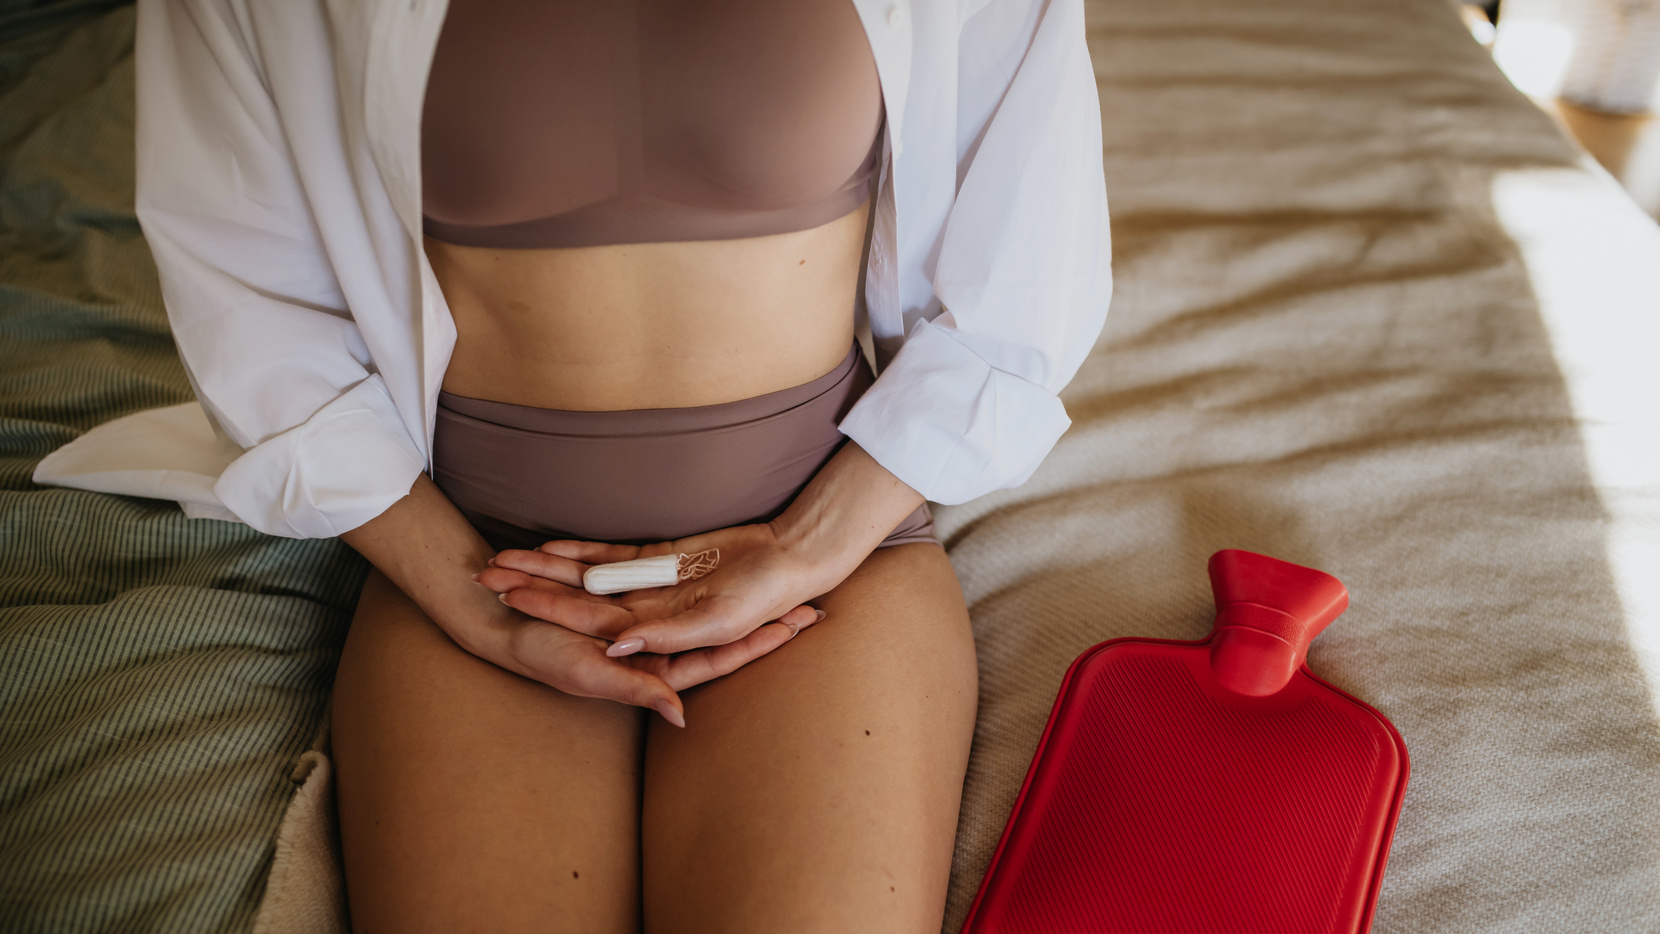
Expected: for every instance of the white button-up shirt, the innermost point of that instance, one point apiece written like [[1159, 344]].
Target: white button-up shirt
[[279, 188]]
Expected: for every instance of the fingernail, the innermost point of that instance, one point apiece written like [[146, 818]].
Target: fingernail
[[503, 598], [669, 713], [626, 647], [476, 576], [820, 619]]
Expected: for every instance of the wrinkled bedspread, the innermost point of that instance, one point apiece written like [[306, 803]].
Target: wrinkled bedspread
[[159, 677], [1371, 317]]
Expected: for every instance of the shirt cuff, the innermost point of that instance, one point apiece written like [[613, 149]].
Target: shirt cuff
[[949, 424], [340, 468]]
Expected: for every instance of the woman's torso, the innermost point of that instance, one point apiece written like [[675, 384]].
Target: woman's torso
[[650, 204]]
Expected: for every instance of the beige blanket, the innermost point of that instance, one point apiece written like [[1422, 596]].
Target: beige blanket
[[1374, 316]]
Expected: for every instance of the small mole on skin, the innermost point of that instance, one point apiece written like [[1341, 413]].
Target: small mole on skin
[[573, 874], [802, 263], [867, 732], [890, 888]]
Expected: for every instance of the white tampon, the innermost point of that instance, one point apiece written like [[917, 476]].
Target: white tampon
[[641, 573]]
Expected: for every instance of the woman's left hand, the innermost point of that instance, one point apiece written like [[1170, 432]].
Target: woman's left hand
[[724, 614], [767, 573]]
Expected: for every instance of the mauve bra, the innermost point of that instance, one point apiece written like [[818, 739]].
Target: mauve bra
[[564, 123]]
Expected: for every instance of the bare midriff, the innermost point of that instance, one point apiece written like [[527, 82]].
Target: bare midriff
[[650, 325]]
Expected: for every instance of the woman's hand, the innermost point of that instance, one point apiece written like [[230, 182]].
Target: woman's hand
[[428, 549], [571, 661], [768, 572], [719, 621]]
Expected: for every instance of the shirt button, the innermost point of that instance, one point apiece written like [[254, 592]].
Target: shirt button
[[893, 15]]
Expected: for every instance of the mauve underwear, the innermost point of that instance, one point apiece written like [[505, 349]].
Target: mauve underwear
[[568, 123], [524, 475]]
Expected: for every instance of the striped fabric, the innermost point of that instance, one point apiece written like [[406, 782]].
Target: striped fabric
[[159, 676]]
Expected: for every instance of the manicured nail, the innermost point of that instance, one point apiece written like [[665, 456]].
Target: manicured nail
[[669, 713], [476, 576], [503, 598], [627, 647], [821, 616]]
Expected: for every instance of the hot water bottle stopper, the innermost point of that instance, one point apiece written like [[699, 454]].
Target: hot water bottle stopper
[[1210, 786]]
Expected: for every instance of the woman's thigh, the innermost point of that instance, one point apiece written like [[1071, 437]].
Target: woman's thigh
[[816, 789], [471, 798]]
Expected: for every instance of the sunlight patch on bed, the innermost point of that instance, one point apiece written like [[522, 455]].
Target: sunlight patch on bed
[[1592, 258]]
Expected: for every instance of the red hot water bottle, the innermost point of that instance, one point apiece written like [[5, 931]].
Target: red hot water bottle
[[1214, 786]]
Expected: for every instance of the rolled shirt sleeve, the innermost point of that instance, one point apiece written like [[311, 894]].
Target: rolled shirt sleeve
[[263, 326], [969, 403]]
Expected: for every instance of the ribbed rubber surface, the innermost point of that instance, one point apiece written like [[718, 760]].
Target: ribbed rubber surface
[[1157, 803]]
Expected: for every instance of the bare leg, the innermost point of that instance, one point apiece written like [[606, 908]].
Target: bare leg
[[472, 799], [817, 788]]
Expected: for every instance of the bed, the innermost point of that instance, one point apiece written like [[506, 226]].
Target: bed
[[1374, 314]]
